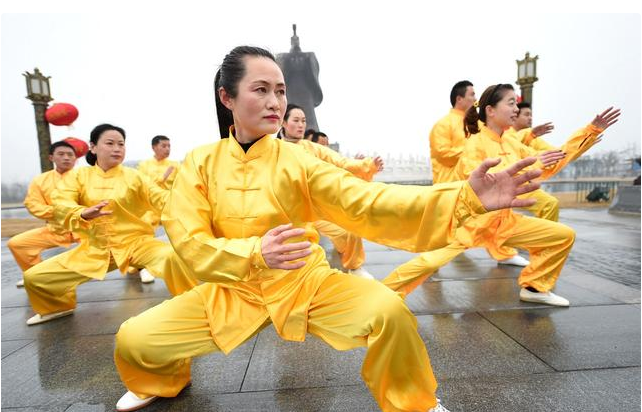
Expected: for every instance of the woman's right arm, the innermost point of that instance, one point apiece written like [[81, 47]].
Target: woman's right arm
[[188, 220]]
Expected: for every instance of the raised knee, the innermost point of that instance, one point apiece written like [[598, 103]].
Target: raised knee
[[13, 244], [392, 307], [568, 233], [129, 340], [29, 277]]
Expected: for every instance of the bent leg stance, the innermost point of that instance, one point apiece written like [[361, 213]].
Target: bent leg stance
[[51, 287], [549, 244], [26, 247]]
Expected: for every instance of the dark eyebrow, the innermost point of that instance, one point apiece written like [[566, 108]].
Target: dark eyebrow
[[265, 83]]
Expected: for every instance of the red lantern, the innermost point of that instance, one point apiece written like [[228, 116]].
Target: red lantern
[[61, 114], [80, 146]]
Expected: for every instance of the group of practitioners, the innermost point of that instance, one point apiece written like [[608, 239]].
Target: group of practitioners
[[244, 215]]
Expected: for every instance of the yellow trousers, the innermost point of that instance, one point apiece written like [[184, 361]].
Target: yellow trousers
[[154, 349], [26, 247], [51, 287], [548, 243], [349, 246], [545, 207]]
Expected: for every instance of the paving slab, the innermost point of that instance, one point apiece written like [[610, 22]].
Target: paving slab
[[608, 390], [576, 338], [88, 319]]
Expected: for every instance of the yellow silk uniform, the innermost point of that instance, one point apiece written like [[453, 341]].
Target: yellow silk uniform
[[223, 201], [349, 246], [118, 240], [155, 170], [26, 247], [447, 140], [548, 243], [546, 206]]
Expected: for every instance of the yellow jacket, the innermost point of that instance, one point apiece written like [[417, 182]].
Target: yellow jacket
[[493, 228], [447, 140], [528, 138], [130, 196], [224, 200], [155, 169], [363, 168], [38, 199]]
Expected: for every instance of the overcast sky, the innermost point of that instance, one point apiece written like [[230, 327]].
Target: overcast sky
[[386, 78]]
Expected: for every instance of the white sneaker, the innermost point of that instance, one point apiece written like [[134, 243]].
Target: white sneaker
[[547, 298], [516, 260], [146, 277], [130, 402], [439, 408], [20, 283], [361, 272], [36, 319]]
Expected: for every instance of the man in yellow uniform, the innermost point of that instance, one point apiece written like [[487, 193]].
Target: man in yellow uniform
[[26, 247], [547, 206], [162, 172], [159, 168], [447, 138], [447, 141]]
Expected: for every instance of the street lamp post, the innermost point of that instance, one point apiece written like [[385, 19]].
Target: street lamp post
[[39, 93], [526, 76]]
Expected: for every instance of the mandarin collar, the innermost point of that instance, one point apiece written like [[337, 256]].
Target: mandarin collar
[[260, 147], [114, 171], [457, 112], [491, 134]]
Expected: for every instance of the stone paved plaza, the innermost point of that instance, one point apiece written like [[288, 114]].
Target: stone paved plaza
[[489, 351]]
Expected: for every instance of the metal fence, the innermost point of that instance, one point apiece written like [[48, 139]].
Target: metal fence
[[584, 186]]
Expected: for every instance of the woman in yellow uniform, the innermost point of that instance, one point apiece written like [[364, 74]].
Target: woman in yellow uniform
[[546, 206], [103, 204], [349, 246], [548, 243], [239, 214]]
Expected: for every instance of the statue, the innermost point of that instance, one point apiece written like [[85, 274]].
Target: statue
[[301, 71]]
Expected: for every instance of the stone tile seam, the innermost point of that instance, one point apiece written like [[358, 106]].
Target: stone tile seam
[[249, 361], [422, 313], [552, 373], [20, 348], [517, 342]]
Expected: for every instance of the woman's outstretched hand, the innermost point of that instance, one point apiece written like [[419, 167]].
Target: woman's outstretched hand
[[543, 129], [279, 255], [551, 157], [607, 118], [378, 161], [499, 190]]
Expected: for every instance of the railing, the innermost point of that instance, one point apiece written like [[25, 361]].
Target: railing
[[582, 187]]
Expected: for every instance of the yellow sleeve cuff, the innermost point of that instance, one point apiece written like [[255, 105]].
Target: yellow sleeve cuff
[[256, 261], [468, 204]]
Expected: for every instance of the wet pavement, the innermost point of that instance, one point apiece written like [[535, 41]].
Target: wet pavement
[[490, 352]]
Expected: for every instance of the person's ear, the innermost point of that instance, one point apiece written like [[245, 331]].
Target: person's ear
[[226, 99]]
